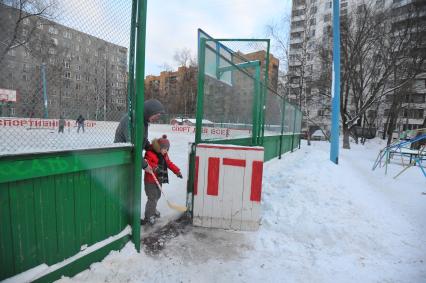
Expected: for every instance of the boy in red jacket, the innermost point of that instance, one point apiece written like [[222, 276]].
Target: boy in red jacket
[[158, 159]]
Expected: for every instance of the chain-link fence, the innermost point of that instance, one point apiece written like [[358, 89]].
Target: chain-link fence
[[63, 80], [239, 90], [231, 86]]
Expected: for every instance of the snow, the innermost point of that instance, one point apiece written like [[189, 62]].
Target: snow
[[43, 269], [318, 133], [320, 223]]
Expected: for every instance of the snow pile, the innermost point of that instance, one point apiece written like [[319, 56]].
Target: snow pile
[[321, 223]]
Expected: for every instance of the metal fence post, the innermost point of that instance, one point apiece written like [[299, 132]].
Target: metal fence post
[[335, 92], [139, 122]]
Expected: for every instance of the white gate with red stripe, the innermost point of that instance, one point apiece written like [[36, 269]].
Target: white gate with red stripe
[[227, 186]]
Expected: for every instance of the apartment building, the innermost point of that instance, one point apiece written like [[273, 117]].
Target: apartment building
[[60, 71], [230, 103], [311, 25]]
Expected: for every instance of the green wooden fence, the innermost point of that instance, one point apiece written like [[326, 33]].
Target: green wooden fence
[[52, 205]]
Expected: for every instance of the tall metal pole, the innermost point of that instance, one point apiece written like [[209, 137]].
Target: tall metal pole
[[335, 89], [43, 75], [131, 76], [139, 120]]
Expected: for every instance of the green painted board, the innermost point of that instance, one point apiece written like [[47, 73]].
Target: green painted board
[[125, 176], [82, 208], [7, 268], [27, 166], [23, 225], [65, 216], [45, 215], [84, 262], [98, 207], [112, 199]]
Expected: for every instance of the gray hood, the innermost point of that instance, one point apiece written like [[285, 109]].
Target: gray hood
[[152, 107]]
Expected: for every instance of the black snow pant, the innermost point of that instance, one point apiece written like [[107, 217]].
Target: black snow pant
[[80, 126], [153, 194]]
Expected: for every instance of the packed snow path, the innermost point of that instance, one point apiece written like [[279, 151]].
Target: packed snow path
[[320, 223]]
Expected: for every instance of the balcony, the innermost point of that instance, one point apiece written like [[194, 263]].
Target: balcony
[[296, 40], [298, 18], [297, 29]]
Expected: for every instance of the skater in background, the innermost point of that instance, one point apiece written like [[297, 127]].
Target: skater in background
[[61, 124], [80, 123], [152, 112], [158, 158]]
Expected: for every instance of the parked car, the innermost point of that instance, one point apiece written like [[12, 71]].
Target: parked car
[[318, 135]]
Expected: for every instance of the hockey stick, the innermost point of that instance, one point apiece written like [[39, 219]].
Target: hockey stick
[[177, 207]]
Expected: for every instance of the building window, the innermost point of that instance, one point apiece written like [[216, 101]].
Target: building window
[[297, 24], [11, 52], [78, 77], [77, 86], [372, 114], [25, 77], [68, 75], [313, 10], [67, 65], [25, 67], [361, 8], [78, 67], [77, 48], [55, 41], [321, 112], [53, 30], [52, 61], [327, 18], [298, 13], [327, 30], [312, 22], [328, 5], [67, 34], [52, 51], [342, 5]]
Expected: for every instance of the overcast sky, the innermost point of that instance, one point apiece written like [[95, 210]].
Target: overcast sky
[[173, 24]]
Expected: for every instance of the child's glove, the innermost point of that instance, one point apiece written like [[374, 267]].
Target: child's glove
[[179, 175]]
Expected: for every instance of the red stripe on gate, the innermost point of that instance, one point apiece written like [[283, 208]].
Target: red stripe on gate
[[213, 176], [234, 162], [197, 162], [256, 181]]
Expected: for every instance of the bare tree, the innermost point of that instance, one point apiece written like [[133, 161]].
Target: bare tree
[[21, 25], [297, 53], [184, 57], [373, 49], [187, 84]]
